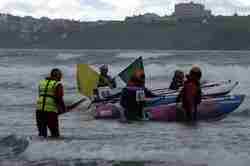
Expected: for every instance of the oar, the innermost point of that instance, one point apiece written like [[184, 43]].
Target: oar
[[71, 107], [109, 100], [167, 90], [116, 98], [208, 85]]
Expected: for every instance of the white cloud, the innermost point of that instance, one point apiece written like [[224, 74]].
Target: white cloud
[[244, 2], [122, 4], [111, 9]]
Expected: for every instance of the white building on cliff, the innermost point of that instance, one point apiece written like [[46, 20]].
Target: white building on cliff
[[191, 10]]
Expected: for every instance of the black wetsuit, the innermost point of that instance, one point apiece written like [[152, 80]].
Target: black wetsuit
[[106, 80], [175, 85], [133, 108]]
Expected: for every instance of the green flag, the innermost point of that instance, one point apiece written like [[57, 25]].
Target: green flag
[[126, 74]]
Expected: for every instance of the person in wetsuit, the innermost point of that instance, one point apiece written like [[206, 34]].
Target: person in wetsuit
[[105, 80], [178, 80], [133, 96], [191, 94]]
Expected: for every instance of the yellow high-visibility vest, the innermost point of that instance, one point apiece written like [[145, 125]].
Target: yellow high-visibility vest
[[47, 100]]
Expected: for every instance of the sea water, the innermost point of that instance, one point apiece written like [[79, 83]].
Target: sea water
[[90, 142]]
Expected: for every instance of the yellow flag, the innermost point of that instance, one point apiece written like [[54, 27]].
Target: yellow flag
[[87, 79]]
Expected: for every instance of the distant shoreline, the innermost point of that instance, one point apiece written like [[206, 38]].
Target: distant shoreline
[[216, 33]]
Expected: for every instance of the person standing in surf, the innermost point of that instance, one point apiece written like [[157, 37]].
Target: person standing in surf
[[133, 96], [105, 80], [49, 104], [178, 80], [190, 95]]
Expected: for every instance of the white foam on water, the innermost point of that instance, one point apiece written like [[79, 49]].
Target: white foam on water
[[114, 69], [24, 79], [214, 155], [220, 151], [159, 70], [144, 54], [21, 82], [68, 56]]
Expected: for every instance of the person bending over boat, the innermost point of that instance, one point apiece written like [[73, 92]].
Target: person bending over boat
[[104, 86], [190, 95], [105, 80], [49, 104], [133, 96], [177, 81]]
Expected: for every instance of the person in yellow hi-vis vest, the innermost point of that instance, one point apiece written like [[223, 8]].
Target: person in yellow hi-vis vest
[[49, 104]]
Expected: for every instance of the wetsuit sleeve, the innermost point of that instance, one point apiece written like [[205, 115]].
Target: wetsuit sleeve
[[59, 95], [123, 99], [106, 81], [100, 82], [173, 85], [180, 96], [149, 94], [113, 83], [199, 94], [190, 94]]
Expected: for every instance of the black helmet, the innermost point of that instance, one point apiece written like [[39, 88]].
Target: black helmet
[[56, 73], [104, 68]]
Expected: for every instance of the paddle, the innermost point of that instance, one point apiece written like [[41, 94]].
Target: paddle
[[71, 107], [205, 85]]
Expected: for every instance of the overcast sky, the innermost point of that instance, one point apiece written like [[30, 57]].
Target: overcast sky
[[92, 10]]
